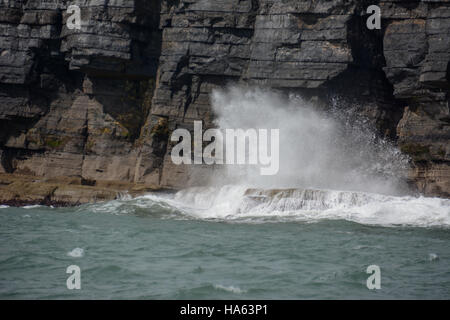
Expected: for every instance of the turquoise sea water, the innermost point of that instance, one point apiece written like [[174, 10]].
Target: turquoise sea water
[[151, 248]]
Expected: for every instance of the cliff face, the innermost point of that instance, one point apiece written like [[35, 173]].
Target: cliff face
[[99, 103]]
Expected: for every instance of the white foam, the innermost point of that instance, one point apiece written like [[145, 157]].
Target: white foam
[[4, 207], [238, 202], [433, 257], [76, 253], [231, 289], [334, 149], [124, 195], [32, 206]]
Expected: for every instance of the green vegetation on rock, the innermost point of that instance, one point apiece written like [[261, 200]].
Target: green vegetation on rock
[[53, 142]]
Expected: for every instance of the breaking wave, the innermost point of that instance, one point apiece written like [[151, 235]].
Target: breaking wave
[[235, 202], [320, 149], [333, 166], [241, 204], [255, 205]]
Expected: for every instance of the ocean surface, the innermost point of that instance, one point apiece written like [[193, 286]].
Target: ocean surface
[[230, 243]]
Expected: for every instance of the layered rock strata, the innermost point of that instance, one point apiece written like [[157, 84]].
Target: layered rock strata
[[99, 104]]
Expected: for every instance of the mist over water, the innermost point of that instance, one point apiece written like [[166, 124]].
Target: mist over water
[[318, 149]]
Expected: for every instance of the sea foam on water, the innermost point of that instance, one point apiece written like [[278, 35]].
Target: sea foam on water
[[76, 253]]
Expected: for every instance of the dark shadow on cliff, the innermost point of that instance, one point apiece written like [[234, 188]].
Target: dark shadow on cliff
[[372, 93]]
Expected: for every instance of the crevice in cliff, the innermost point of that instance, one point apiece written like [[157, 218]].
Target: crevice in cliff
[[253, 13], [372, 93], [447, 73]]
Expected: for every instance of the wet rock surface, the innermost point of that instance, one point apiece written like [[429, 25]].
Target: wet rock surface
[[20, 190], [99, 103]]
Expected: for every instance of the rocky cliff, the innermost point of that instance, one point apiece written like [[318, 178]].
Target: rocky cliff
[[98, 104]]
